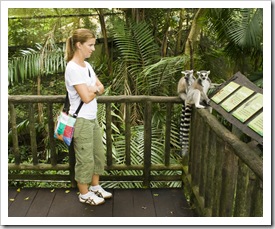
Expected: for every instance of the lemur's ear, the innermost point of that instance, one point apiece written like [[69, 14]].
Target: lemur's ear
[[208, 72], [191, 70], [198, 73]]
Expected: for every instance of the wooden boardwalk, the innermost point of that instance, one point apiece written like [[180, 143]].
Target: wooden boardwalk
[[40, 202]]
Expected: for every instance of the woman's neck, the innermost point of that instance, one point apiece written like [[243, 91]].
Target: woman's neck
[[79, 60]]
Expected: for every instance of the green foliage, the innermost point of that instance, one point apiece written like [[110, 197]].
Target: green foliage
[[161, 77], [241, 32], [32, 63], [136, 51], [245, 30], [28, 26]]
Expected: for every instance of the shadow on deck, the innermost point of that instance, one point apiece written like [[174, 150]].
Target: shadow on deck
[[125, 203]]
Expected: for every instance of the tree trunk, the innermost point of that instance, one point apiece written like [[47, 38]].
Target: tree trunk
[[39, 105], [42, 59], [104, 33], [191, 39], [179, 36], [138, 15], [164, 46]]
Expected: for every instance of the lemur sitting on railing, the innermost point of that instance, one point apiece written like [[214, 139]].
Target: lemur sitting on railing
[[192, 91]]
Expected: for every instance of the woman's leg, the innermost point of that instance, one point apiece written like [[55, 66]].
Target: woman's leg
[[95, 180], [99, 159], [83, 188]]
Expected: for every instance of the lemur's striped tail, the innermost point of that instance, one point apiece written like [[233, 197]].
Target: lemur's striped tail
[[185, 128], [182, 123]]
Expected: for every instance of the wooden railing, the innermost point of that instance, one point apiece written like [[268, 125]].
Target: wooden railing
[[146, 168], [224, 175]]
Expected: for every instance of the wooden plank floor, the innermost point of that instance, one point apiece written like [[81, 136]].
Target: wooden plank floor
[[125, 203]]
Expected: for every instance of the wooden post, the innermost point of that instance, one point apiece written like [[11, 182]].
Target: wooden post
[[128, 134], [51, 134], [229, 175], [33, 134], [72, 164], [257, 199], [167, 134], [203, 158], [217, 187], [196, 154], [211, 159], [241, 191], [14, 134], [147, 143], [108, 134]]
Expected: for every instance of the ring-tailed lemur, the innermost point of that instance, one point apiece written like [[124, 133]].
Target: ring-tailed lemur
[[183, 86], [185, 82], [197, 93]]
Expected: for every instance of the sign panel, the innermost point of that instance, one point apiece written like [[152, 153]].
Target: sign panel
[[240, 102], [257, 124], [244, 112], [235, 99], [224, 92]]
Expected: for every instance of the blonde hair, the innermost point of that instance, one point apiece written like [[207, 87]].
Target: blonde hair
[[79, 35]]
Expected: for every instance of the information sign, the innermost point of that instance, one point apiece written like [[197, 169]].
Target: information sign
[[257, 124], [240, 102], [224, 92], [234, 100], [244, 112]]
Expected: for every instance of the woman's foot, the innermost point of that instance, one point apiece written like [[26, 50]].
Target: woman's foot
[[91, 198], [100, 192]]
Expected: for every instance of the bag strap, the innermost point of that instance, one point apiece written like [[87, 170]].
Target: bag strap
[[67, 102], [78, 109]]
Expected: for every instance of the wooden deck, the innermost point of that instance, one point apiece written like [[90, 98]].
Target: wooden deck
[[125, 203]]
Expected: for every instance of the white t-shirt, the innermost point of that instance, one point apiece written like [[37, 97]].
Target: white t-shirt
[[74, 75]]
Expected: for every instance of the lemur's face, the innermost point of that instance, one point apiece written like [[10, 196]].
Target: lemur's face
[[188, 75], [203, 75]]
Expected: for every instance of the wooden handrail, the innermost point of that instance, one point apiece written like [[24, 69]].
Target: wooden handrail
[[223, 174], [145, 168], [100, 99], [241, 149]]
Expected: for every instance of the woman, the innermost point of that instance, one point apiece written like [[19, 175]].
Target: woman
[[83, 85]]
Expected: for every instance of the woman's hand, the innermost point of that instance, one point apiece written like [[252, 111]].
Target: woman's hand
[[93, 89], [88, 93]]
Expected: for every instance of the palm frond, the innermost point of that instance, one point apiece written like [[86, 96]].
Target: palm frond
[[29, 65], [137, 50], [160, 75], [246, 31]]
